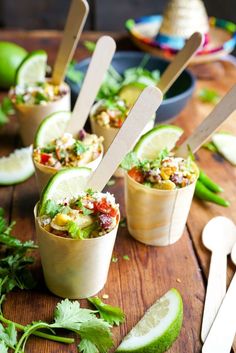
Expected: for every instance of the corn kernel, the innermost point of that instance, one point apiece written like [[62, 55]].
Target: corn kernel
[[61, 219]]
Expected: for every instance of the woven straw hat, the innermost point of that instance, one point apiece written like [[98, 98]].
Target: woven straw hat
[[182, 18]]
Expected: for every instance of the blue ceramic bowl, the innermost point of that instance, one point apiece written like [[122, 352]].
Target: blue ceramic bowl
[[176, 97]]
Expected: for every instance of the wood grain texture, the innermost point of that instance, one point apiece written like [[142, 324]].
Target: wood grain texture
[[135, 284]]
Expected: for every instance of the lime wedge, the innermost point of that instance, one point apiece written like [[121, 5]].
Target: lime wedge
[[159, 327], [66, 183], [130, 93], [226, 145], [51, 128], [17, 167], [155, 140], [32, 69]]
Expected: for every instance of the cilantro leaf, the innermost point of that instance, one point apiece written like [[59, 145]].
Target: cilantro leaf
[[80, 233], [131, 160], [50, 208], [89, 45], [207, 95], [3, 347], [111, 314], [87, 346], [98, 333], [85, 210], [69, 315], [8, 335], [79, 148]]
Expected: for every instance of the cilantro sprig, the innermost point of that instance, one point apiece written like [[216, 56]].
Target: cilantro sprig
[[114, 81], [14, 259]]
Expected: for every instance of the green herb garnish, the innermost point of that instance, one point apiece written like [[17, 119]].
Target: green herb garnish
[[126, 257], [207, 95], [111, 314], [6, 108], [79, 148], [40, 97]]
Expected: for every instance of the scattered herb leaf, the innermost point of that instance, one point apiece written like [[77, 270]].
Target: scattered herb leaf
[[207, 95], [114, 259], [210, 146], [126, 257], [123, 223], [111, 314]]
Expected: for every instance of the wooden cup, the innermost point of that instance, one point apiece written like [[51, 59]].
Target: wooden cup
[[30, 116], [109, 133], [74, 268], [44, 173], [156, 217]]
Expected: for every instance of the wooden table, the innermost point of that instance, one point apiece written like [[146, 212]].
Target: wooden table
[[151, 271]]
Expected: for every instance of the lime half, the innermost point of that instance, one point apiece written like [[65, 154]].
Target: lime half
[[32, 69], [17, 167], [66, 183], [51, 128], [226, 145], [155, 140], [159, 327], [130, 92]]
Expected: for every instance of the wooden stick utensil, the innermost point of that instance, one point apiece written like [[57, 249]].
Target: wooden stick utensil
[[98, 66], [74, 25], [202, 133], [219, 236], [181, 60], [222, 332], [145, 106]]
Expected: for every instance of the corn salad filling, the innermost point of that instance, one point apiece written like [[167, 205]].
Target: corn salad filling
[[111, 113], [90, 215], [165, 172], [67, 151], [39, 93]]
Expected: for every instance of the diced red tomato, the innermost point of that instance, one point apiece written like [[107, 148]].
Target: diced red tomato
[[45, 157], [136, 174], [104, 207]]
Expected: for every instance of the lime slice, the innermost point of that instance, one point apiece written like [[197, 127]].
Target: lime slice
[[226, 145], [159, 327], [130, 93], [32, 69], [155, 140], [17, 167], [66, 183], [51, 128]]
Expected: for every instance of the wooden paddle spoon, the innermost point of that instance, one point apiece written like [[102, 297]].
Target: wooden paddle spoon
[[219, 236], [202, 133], [145, 106], [222, 332], [74, 25], [180, 62], [99, 64]]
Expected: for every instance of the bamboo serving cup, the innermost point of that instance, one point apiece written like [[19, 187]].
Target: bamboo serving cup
[[44, 173], [109, 133], [157, 217], [30, 116], [74, 268]]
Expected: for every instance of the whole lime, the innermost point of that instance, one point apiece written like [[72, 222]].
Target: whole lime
[[11, 56]]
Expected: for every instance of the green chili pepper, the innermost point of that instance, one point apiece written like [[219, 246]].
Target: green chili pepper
[[203, 193], [209, 183]]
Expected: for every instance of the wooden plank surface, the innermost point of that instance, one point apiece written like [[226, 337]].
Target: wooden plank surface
[[135, 284]]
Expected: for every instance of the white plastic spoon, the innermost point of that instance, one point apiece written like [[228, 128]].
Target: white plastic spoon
[[145, 106], [99, 64], [219, 236], [74, 25], [202, 133], [221, 335]]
